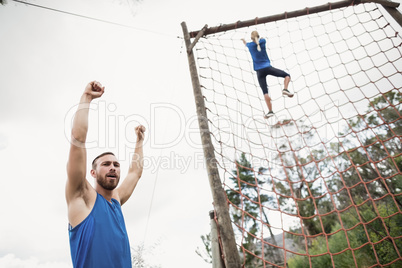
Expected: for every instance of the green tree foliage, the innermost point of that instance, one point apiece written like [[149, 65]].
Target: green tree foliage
[[366, 188], [303, 189], [141, 255], [348, 194], [248, 213], [375, 151], [364, 253], [248, 209], [206, 253]]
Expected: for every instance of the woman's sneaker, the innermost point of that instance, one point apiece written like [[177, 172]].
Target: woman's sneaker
[[287, 93], [269, 114]]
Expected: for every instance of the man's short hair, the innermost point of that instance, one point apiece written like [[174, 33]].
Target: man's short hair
[[99, 156]]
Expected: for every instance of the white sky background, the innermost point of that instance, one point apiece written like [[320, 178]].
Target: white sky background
[[46, 60]]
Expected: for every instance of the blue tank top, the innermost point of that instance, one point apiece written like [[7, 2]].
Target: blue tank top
[[101, 239], [260, 58]]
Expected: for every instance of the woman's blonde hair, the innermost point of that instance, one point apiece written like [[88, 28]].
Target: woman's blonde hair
[[256, 39]]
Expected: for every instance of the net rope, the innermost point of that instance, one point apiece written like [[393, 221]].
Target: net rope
[[320, 183]]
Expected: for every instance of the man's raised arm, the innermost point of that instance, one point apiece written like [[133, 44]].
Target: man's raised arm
[[135, 171], [76, 167]]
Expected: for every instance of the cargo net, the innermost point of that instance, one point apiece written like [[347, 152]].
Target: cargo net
[[319, 184]]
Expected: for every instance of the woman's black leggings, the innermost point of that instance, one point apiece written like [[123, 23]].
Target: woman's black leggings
[[262, 76]]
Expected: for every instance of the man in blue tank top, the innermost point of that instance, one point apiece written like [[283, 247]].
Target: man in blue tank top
[[98, 236]]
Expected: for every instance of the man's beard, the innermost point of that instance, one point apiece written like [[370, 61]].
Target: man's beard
[[106, 183]]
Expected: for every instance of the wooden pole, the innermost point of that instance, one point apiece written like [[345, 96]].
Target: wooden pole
[[388, 5], [382, 2], [392, 10], [217, 261], [198, 36], [230, 251], [283, 16]]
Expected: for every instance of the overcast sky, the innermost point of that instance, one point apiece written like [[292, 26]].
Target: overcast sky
[[46, 60]]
